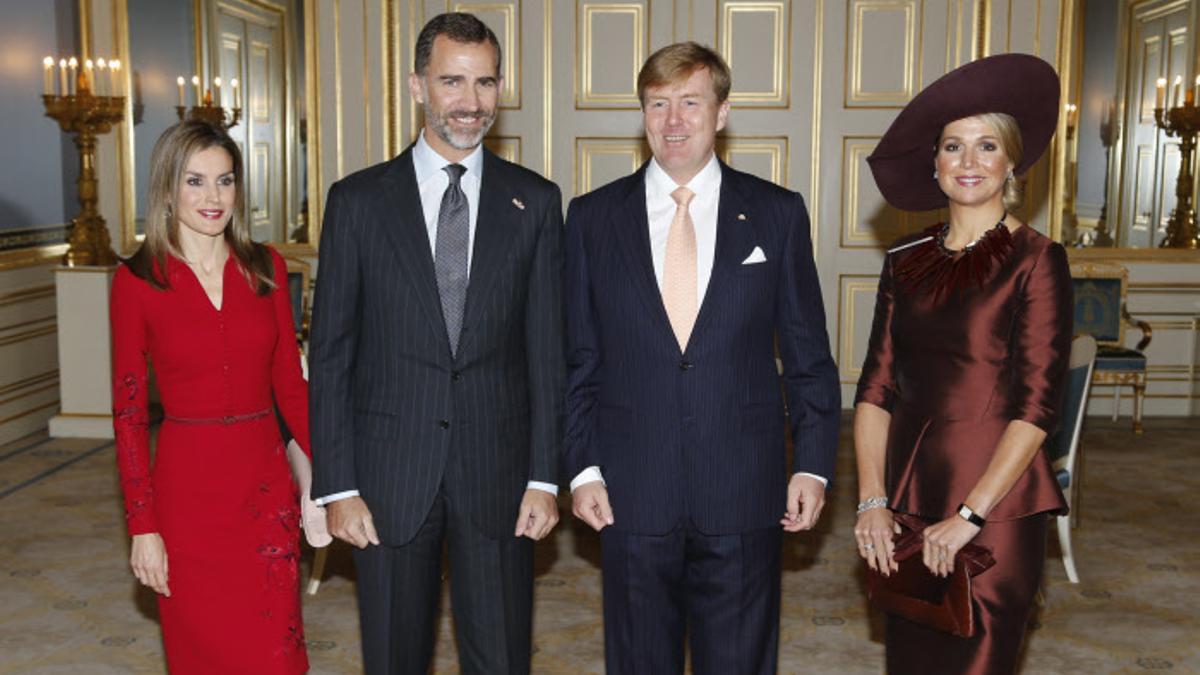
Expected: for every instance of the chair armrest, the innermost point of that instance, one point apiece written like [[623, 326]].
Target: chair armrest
[[1147, 332]]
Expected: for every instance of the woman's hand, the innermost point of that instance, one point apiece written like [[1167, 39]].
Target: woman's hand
[[943, 540], [149, 562], [875, 531]]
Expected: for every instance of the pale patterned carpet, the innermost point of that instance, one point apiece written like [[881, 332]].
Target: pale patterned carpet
[[69, 605]]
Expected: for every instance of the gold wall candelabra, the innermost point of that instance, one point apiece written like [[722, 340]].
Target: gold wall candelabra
[[205, 109], [1181, 121], [80, 109]]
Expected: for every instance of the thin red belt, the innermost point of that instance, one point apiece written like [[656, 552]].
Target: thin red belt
[[226, 420]]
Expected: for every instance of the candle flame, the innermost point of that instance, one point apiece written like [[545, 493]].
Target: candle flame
[[1161, 82], [234, 82], [101, 64], [217, 81], [49, 63], [73, 62], [195, 79], [1178, 79], [115, 64], [179, 80]]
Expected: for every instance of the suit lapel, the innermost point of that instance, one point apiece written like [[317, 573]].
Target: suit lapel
[[632, 232], [735, 241], [494, 236], [404, 225]]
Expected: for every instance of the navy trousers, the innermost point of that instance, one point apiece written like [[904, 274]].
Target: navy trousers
[[722, 591]]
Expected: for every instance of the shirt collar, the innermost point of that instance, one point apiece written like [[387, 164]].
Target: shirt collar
[[428, 163], [660, 184]]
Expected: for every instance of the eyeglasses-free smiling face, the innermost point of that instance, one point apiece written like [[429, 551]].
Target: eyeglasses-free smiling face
[[682, 120], [458, 91], [207, 192], [971, 163]]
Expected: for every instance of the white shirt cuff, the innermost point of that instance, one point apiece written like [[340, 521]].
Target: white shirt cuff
[[588, 475], [544, 487], [322, 501], [824, 480]]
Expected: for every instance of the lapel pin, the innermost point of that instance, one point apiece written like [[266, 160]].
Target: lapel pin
[[741, 216], [518, 203]]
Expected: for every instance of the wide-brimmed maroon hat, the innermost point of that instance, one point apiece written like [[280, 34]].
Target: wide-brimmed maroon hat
[[1021, 85]]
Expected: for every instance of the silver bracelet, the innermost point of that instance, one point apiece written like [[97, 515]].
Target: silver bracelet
[[873, 503]]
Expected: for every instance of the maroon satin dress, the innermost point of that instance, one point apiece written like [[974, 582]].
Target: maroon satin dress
[[961, 345]]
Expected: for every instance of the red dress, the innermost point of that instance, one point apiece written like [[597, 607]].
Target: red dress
[[219, 491]]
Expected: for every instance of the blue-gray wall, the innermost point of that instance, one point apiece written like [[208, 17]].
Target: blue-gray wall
[[40, 164], [161, 48], [1098, 88]]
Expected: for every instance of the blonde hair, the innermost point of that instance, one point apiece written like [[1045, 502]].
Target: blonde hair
[[168, 161], [677, 62]]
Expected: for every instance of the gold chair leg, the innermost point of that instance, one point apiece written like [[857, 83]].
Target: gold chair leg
[[1139, 393], [318, 570]]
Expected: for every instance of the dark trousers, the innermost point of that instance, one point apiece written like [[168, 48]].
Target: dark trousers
[[722, 590], [491, 596]]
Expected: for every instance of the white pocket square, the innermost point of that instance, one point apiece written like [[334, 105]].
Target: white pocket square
[[756, 256]]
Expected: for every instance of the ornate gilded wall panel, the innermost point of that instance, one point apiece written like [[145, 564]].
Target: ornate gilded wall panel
[[762, 156], [856, 307], [612, 42], [883, 52], [755, 39], [602, 160]]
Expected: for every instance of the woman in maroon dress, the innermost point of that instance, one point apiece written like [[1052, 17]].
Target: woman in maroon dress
[[215, 518], [963, 378]]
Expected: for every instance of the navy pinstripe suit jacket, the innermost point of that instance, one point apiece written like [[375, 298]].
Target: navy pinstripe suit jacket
[[697, 435], [393, 414]]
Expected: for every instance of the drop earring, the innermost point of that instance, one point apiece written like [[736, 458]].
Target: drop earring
[[935, 174]]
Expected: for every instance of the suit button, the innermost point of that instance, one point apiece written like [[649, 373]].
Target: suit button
[[445, 424], [455, 376], [685, 365]]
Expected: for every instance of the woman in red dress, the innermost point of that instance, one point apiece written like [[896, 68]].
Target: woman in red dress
[[215, 518], [964, 375]]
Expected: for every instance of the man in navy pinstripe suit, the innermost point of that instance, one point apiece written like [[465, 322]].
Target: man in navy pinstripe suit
[[683, 282], [437, 371]]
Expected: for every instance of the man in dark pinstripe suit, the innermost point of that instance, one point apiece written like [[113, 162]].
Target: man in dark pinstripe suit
[[437, 371], [684, 281]]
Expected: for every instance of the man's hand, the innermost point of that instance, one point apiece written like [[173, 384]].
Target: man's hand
[[148, 558], [805, 499], [539, 514], [350, 520], [590, 504]]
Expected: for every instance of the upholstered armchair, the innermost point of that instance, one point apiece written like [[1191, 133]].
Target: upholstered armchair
[[1100, 311]]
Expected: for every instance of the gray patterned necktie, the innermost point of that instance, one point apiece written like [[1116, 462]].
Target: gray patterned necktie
[[450, 256]]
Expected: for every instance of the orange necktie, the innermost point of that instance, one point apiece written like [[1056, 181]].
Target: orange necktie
[[679, 269]]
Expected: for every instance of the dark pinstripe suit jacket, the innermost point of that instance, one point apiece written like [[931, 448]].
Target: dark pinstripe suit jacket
[[393, 413], [697, 435]]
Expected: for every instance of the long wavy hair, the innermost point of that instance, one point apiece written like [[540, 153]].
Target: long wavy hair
[[171, 153]]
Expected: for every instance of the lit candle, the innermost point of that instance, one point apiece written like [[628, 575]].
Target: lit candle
[[73, 64], [217, 90], [114, 75], [1175, 101], [1196, 88], [237, 101], [62, 77], [196, 86], [1160, 92], [179, 83], [48, 76], [101, 88], [89, 76]]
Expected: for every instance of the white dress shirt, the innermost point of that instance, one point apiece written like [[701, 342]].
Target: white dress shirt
[[660, 211], [432, 182]]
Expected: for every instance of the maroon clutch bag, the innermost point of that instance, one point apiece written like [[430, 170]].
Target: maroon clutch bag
[[919, 595]]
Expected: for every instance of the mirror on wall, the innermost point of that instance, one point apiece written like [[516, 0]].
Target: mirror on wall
[[1121, 173], [256, 43]]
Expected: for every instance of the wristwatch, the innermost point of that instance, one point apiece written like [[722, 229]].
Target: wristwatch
[[970, 516]]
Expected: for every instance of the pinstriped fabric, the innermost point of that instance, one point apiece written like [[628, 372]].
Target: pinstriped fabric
[[395, 413], [697, 434]]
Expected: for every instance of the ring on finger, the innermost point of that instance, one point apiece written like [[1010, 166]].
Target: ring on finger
[[868, 547]]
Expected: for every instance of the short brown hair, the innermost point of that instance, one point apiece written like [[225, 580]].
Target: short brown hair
[[457, 26], [677, 62]]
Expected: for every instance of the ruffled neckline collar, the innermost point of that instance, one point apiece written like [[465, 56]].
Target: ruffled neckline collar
[[931, 268]]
